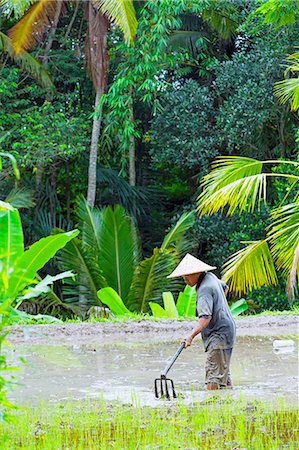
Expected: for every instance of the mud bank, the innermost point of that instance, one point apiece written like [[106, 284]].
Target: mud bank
[[143, 330]]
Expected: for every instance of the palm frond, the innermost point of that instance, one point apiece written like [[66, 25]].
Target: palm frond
[[16, 7], [30, 29], [26, 62], [20, 198], [89, 278], [119, 250], [284, 236], [90, 224], [150, 280], [115, 189], [240, 194], [294, 273], [221, 22], [175, 235], [250, 268], [288, 91], [227, 169], [122, 13]]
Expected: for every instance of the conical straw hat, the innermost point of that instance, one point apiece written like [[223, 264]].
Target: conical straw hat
[[188, 265]]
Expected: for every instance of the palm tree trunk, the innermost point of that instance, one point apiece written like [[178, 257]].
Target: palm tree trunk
[[52, 32], [132, 149], [132, 166], [97, 62], [93, 155]]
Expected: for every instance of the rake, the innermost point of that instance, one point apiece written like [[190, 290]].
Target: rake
[[163, 384]]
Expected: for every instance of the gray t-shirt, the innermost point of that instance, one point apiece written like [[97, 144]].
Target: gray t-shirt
[[211, 301]]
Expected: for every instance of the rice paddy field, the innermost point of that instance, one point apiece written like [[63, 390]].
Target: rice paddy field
[[92, 393], [213, 424]]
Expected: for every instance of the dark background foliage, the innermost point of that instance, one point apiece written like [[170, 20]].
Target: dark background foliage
[[213, 95]]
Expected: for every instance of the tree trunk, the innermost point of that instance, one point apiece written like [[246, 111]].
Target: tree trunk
[[132, 157], [93, 155], [97, 63], [52, 32]]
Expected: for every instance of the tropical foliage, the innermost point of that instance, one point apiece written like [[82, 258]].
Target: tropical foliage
[[288, 90], [184, 307], [19, 266], [240, 183], [108, 254], [190, 81]]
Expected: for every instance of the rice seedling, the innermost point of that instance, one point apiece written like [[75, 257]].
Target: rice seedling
[[214, 424]]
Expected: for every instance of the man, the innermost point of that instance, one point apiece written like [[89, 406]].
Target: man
[[215, 322]]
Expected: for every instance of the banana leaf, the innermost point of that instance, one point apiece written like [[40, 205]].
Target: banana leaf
[[238, 307], [158, 311], [11, 235], [21, 316], [186, 303], [110, 297], [34, 259], [44, 286], [169, 305]]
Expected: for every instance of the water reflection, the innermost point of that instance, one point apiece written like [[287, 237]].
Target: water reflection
[[126, 371]]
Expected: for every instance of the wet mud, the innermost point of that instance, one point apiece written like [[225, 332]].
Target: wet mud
[[123, 365]]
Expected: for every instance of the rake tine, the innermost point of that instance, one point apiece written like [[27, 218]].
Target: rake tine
[[166, 388], [156, 388], [161, 387], [173, 391]]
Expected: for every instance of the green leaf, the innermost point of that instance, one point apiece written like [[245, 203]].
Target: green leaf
[[186, 303], [233, 181], [157, 310], [184, 223], [150, 280], [27, 63], [288, 91], [90, 222], [89, 279], [110, 297], [20, 198], [169, 305], [35, 258], [284, 236], [238, 307], [251, 267], [236, 182], [118, 249], [122, 13], [11, 236], [22, 315], [43, 287]]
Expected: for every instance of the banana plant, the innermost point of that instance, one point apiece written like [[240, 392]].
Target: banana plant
[[240, 183], [108, 255], [18, 267], [110, 297], [186, 305]]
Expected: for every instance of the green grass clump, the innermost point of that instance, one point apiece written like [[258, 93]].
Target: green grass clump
[[214, 424]]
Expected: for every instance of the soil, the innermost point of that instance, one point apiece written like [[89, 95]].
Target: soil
[[163, 330]]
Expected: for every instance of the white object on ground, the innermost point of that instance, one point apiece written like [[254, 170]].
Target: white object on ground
[[283, 343]]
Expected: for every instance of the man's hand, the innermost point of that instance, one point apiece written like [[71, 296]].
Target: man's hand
[[188, 341]]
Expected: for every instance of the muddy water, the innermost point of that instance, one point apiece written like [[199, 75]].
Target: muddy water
[[126, 371]]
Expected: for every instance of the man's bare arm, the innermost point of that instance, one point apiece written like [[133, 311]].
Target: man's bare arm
[[201, 325]]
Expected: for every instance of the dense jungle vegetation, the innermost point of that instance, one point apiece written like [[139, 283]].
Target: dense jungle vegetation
[[133, 125]]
